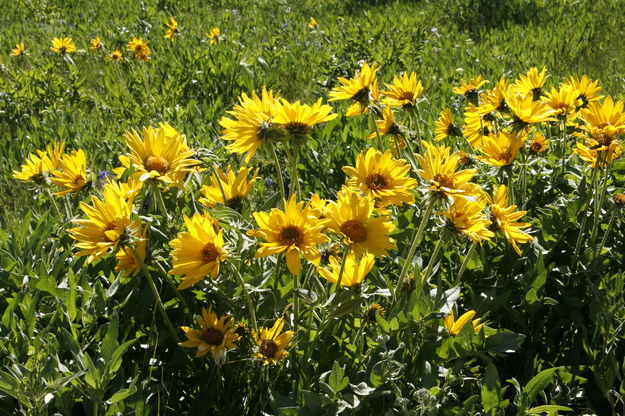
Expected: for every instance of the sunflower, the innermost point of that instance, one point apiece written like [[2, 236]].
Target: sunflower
[[318, 206], [96, 44], [213, 35], [251, 125], [126, 190], [470, 89], [199, 251], [381, 177], [160, 153], [504, 218], [235, 188], [604, 121], [271, 343], [525, 111], [351, 216], [312, 23], [140, 49], [466, 217], [295, 230], [55, 153], [439, 168], [454, 327], [404, 91], [63, 46], [216, 334], [172, 29], [372, 311], [72, 175], [387, 125], [116, 56], [531, 84], [445, 127], [20, 50], [564, 101], [538, 144], [619, 200], [502, 148], [588, 89], [477, 125], [107, 225], [354, 271], [595, 153], [362, 88], [297, 119], [126, 259], [495, 99], [35, 168]]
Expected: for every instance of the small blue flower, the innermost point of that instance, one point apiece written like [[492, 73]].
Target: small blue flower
[[103, 174], [284, 27], [269, 182]]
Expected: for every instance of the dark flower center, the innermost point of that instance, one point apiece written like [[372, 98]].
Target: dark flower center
[[209, 253], [291, 235], [376, 181], [354, 230], [444, 180], [406, 95], [296, 128], [157, 163], [212, 336], [362, 96], [268, 348]]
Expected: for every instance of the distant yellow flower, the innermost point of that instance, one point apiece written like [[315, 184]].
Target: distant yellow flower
[[312, 23], [236, 188], [35, 168], [470, 89], [454, 327], [351, 216], [445, 127], [126, 259], [160, 153], [252, 124], [116, 56], [96, 44], [502, 148], [295, 230], [198, 252], [297, 119], [216, 334], [404, 91], [72, 175], [63, 46], [140, 49], [588, 89], [564, 101], [354, 272], [531, 84], [172, 29], [213, 35], [387, 125], [440, 168], [467, 217], [359, 89], [538, 144], [271, 343], [107, 225], [19, 50], [477, 125], [381, 177], [526, 111], [505, 219]]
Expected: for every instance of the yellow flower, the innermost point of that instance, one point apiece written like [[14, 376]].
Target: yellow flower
[[251, 125], [539, 144], [213, 35], [445, 127], [72, 176], [362, 88], [271, 343], [126, 190], [505, 217], [439, 168], [216, 334], [35, 168], [55, 153], [126, 259], [373, 310], [387, 125], [162, 153], [318, 206], [297, 119], [351, 216], [295, 230], [116, 56], [466, 217], [525, 111], [470, 89], [495, 99], [477, 125], [312, 23], [172, 29], [63, 46], [564, 101], [19, 50], [236, 188], [354, 272], [502, 148], [588, 90], [198, 252], [454, 327], [140, 49], [404, 91], [107, 225], [381, 177], [531, 84], [595, 153], [604, 121], [96, 44]]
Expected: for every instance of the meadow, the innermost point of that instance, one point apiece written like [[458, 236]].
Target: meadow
[[303, 208]]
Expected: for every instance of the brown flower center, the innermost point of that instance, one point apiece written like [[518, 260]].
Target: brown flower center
[[296, 128], [406, 95], [362, 96], [604, 139], [268, 348], [354, 230], [212, 336], [444, 180], [376, 181], [536, 147], [291, 235], [505, 157], [209, 253], [157, 163], [619, 200]]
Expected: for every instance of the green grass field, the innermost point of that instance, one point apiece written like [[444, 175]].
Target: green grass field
[[79, 337]]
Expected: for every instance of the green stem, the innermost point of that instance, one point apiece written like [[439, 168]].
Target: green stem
[[221, 185], [294, 190], [342, 270], [250, 304], [599, 208], [417, 118], [415, 242], [158, 196], [433, 259], [597, 252], [157, 297], [278, 169], [56, 207], [465, 262], [377, 131], [582, 227], [173, 287]]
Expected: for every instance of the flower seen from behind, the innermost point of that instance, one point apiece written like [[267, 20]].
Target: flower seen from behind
[[505, 218], [235, 187], [454, 327], [72, 175], [354, 272]]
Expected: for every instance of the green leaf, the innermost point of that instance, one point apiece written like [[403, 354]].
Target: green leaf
[[505, 342], [109, 343], [337, 381], [549, 409], [491, 389]]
